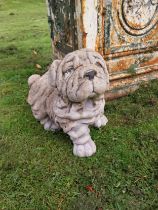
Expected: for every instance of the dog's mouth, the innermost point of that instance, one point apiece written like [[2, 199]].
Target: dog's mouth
[[93, 89], [94, 93]]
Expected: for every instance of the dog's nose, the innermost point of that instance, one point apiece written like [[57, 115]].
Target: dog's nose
[[90, 74]]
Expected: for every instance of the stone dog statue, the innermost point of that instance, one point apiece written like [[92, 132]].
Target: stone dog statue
[[70, 95]]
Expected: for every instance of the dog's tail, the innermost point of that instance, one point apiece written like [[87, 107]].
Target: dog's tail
[[33, 78]]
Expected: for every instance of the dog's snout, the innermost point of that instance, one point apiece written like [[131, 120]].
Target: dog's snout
[[90, 74]]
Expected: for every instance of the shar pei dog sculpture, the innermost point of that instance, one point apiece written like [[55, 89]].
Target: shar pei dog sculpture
[[70, 96]]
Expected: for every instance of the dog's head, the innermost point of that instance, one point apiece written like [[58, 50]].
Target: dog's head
[[80, 75]]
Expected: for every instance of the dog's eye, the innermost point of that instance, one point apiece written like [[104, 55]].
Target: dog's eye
[[69, 70], [98, 64]]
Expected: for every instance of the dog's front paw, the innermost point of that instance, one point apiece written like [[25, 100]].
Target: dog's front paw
[[101, 122], [84, 150]]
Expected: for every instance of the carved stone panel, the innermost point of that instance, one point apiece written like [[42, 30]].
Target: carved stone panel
[[138, 17], [131, 42], [130, 25]]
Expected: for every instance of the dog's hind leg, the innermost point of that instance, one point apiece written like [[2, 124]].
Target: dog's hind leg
[[39, 93], [49, 124], [83, 145]]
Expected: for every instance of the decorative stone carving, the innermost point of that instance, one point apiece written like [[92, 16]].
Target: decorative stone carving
[[70, 95], [138, 16]]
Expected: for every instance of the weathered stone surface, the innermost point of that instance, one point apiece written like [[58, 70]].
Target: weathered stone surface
[[70, 95]]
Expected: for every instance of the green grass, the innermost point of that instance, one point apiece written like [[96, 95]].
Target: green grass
[[37, 168]]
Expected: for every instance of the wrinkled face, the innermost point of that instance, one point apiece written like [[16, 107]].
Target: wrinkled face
[[81, 75]]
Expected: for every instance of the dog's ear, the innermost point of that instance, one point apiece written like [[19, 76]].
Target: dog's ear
[[52, 72]]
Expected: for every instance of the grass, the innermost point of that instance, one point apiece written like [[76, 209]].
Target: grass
[[37, 168]]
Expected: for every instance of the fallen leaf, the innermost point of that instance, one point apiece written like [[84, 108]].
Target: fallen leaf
[[34, 52], [90, 188], [124, 191], [118, 184], [38, 66]]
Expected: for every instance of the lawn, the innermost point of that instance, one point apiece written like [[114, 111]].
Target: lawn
[[37, 168]]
